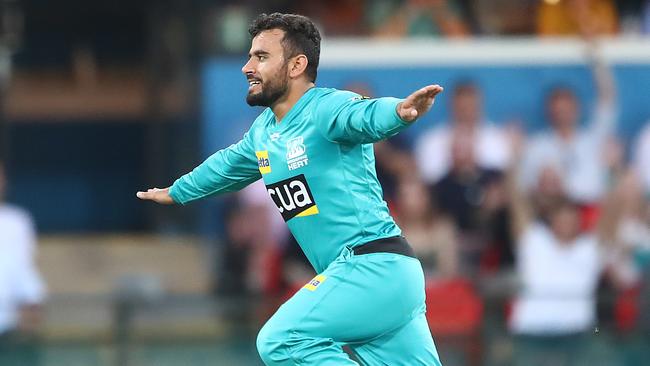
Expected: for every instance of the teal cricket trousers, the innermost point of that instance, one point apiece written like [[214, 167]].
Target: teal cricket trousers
[[374, 303]]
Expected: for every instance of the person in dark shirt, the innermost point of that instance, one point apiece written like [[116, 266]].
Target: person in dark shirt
[[473, 198]]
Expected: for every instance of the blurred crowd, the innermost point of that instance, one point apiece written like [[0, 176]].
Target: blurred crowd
[[454, 19], [543, 224]]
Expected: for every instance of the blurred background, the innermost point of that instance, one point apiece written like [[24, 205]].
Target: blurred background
[[524, 192]]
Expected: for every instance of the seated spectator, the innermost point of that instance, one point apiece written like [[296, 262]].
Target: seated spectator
[[21, 288], [642, 157], [432, 235], [577, 17], [460, 194], [395, 18], [573, 152], [490, 143]]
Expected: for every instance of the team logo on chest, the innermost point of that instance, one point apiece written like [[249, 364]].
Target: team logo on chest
[[293, 197], [296, 153]]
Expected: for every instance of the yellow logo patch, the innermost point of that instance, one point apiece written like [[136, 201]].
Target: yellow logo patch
[[263, 161], [315, 282]]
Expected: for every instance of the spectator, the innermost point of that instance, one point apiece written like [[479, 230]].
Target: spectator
[[559, 267], [461, 195], [577, 17], [642, 157], [559, 270], [394, 18], [431, 234], [490, 144], [628, 223], [21, 288], [575, 153]]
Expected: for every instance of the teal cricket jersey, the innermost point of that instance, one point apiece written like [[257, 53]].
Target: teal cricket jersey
[[318, 166]]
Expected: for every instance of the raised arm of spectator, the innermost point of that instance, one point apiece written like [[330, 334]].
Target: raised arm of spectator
[[521, 212], [604, 117], [612, 205]]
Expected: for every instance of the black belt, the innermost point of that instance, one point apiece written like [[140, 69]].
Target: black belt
[[395, 244]]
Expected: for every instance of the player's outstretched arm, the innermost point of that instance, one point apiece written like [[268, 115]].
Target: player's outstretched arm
[[418, 103], [158, 195], [345, 117]]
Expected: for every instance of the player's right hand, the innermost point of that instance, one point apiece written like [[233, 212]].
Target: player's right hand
[[158, 195], [418, 103]]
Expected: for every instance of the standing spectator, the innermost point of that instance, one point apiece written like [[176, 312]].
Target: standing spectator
[[21, 288], [559, 270], [642, 157], [559, 266], [490, 143], [577, 17], [573, 152]]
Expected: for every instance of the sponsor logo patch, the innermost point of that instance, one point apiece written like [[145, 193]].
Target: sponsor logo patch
[[263, 161], [296, 153], [293, 197], [315, 282]]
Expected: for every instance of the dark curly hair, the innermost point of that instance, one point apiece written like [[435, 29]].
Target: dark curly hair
[[300, 37]]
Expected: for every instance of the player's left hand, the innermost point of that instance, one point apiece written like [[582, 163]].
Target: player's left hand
[[418, 103]]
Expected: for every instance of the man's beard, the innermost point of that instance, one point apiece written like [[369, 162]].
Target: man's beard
[[274, 90]]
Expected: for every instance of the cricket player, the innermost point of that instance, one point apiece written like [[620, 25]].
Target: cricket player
[[313, 149]]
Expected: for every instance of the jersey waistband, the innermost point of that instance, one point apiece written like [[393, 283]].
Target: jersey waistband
[[393, 244]]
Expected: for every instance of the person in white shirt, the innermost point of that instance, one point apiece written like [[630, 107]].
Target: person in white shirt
[[575, 153], [491, 144], [21, 289], [559, 266]]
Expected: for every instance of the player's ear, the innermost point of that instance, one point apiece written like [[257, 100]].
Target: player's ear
[[297, 66]]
